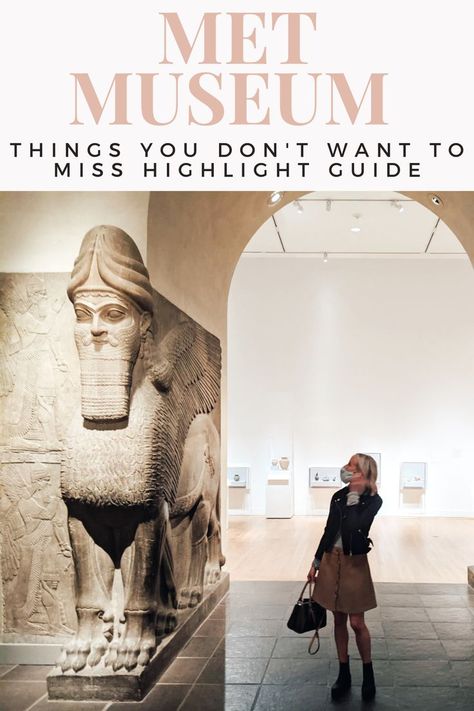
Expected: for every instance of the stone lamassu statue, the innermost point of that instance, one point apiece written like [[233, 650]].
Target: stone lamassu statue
[[139, 460]]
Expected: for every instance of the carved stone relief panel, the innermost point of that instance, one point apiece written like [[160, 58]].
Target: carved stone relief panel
[[38, 392], [39, 365], [36, 558]]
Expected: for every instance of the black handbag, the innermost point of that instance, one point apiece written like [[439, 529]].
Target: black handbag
[[307, 615]]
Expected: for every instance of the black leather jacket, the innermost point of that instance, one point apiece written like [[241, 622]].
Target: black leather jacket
[[348, 520]]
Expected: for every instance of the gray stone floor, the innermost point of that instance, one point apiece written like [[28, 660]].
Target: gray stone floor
[[244, 658]]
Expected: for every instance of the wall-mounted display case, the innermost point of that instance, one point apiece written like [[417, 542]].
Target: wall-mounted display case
[[324, 477], [238, 477], [413, 475]]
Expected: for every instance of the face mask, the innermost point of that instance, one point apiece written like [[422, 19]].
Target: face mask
[[346, 476]]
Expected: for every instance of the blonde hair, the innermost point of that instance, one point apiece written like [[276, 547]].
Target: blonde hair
[[368, 467]]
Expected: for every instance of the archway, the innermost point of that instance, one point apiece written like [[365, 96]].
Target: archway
[[366, 353], [195, 241], [422, 644]]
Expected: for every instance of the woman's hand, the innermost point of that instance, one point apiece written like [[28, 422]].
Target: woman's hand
[[312, 574], [358, 483]]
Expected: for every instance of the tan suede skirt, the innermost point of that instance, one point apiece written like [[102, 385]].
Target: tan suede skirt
[[344, 583]]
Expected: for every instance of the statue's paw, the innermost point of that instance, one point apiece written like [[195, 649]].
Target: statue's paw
[[111, 656], [195, 597], [62, 661], [183, 599], [124, 652], [133, 653], [146, 650], [160, 623], [98, 650], [74, 655], [89, 644], [212, 574], [166, 622], [171, 622], [137, 644]]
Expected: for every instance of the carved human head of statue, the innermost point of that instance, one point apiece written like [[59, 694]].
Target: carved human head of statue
[[112, 296]]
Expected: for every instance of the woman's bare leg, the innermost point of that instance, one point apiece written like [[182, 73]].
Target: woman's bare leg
[[362, 636], [341, 635]]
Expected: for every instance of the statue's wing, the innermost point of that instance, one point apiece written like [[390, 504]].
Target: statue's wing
[[186, 374], [12, 526], [10, 551]]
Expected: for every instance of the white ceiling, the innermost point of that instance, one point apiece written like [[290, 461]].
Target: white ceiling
[[324, 225]]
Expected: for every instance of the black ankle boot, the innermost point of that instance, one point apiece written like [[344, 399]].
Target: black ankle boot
[[368, 682], [343, 682]]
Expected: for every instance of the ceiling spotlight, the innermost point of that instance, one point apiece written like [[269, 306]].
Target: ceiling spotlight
[[299, 207], [398, 205], [328, 205], [436, 200], [325, 257], [275, 198]]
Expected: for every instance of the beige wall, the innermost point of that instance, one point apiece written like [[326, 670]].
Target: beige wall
[[42, 231]]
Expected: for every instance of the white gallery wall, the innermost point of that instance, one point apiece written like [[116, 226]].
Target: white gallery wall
[[374, 355]]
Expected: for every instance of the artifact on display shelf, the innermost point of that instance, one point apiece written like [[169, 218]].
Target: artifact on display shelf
[[324, 477], [238, 477], [413, 475], [280, 464], [110, 459]]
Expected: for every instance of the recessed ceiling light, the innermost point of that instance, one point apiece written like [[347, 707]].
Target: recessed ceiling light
[[275, 198], [325, 257], [436, 200], [355, 229]]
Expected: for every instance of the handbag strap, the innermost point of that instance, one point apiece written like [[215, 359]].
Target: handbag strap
[[316, 632], [315, 636], [308, 582]]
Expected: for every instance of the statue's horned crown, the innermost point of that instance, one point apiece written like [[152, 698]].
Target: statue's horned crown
[[110, 259]]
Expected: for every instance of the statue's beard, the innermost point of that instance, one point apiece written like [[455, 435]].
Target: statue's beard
[[106, 376]]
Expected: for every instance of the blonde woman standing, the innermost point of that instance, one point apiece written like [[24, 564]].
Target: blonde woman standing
[[341, 569]]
